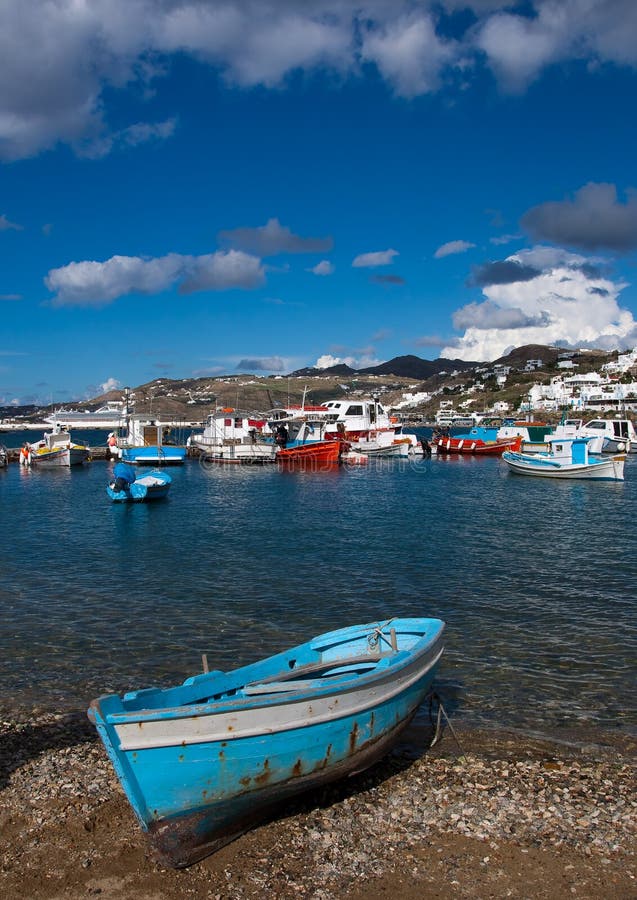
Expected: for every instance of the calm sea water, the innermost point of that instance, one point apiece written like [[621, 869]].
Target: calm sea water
[[536, 580]]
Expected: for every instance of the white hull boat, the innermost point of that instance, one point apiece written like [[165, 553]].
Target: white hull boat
[[57, 450], [566, 458]]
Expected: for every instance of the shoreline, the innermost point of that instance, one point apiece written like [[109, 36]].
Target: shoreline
[[503, 815]]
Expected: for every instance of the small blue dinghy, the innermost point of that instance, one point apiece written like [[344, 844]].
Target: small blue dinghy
[[126, 486], [203, 762]]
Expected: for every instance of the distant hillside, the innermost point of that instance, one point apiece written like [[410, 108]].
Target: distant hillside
[[419, 369], [401, 366], [521, 355], [192, 399], [312, 371]]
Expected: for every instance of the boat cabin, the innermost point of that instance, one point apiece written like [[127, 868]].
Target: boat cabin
[[573, 450], [56, 439], [230, 427], [144, 432], [620, 429], [299, 430]]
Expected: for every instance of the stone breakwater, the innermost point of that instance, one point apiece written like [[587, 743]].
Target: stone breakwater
[[507, 817]]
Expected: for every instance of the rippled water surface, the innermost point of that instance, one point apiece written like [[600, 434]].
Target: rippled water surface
[[535, 580]]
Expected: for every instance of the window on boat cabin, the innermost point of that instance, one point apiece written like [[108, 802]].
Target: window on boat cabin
[[354, 411], [598, 423], [238, 423], [621, 428], [227, 422]]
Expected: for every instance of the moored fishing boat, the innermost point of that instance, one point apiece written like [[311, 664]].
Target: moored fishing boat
[[234, 437], [300, 441], [476, 446], [373, 450], [203, 762], [314, 454], [365, 424], [146, 442], [4, 456], [57, 450], [566, 458], [616, 435], [127, 486]]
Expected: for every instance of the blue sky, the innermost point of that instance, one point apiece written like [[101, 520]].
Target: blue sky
[[198, 187]]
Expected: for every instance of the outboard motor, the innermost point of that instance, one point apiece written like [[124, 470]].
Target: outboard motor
[[124, 476]]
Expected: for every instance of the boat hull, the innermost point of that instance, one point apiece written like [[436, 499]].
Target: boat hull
[[313, 454], [154, 456], [611, 469], [399, 449], [199, 778], [235, 454], [62, 458], [618, 445], [476, 447]]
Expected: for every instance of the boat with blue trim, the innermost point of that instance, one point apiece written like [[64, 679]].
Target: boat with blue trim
[[567, 457], [146, 442], [127, 486], [203, 762]]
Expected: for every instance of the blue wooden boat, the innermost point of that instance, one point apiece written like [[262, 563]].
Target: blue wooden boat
[[567, 457], [203, 762], [128, 486], [144, 442]]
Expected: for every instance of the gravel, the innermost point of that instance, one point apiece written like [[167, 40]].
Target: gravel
[[57, 785]]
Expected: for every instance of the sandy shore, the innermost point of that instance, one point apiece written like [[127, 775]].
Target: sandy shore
[[503, 816]]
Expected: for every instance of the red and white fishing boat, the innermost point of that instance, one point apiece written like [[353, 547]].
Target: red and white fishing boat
[[231, 436], [313, 455], [476, 447], [364, 423]]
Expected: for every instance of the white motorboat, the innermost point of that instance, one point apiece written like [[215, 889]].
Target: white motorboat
[[567, 457], [56, 449]]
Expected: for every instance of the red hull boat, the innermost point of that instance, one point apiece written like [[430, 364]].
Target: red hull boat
[[477, 447], [314, 454]]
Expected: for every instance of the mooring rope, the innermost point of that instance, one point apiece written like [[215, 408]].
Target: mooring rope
[[441, 712]]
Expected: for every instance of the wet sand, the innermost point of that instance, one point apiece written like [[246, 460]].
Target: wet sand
[[501, 816]]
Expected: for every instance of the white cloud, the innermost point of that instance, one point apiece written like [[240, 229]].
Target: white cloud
[[354, 361], [6, 225], [594, 219], [505, 239], [569, 300], [61, 61], [92, 283], [518, 48], [324, 267], [96, 146], [452, 247], [379, 258], [222, 271], [111, 384], [272, 239], [327, 361], [261, 364], [408, 53]]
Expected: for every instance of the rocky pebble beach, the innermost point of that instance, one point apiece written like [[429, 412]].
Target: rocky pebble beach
[[490, 815]]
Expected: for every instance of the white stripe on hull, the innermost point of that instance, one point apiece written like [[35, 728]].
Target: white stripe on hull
[[613, 469], [272, 717]]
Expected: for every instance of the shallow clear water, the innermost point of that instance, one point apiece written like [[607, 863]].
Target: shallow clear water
[[535, 580]]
